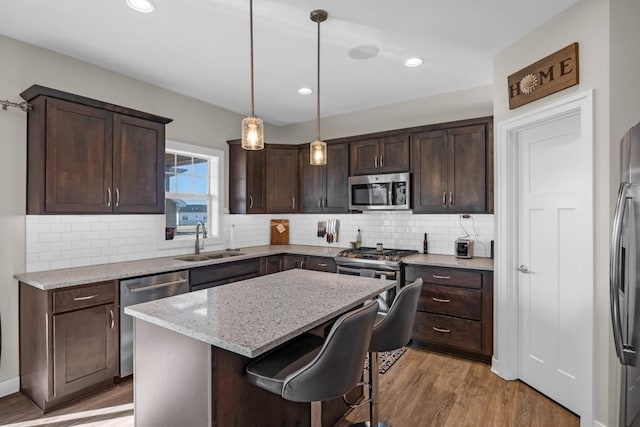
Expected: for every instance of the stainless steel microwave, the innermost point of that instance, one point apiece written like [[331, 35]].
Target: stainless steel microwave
[[379, 192]]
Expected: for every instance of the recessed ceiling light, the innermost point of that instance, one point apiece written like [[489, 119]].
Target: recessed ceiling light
[[413, 62], [305, 91], [144, 6]]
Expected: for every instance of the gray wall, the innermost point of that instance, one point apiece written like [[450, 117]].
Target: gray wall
[[587, 22]]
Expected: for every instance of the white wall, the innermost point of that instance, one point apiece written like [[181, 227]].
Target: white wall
[[194, 122], [459, 105], [587, 22]]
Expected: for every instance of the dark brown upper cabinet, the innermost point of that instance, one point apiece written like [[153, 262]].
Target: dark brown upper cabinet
[[89, 157], [324, 188], [380, 155], [247, 180], [282, 178], [452, 169]]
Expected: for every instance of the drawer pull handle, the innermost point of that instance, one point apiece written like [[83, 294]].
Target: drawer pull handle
[[435, 276], [85, 298], [322, 264], [445, 301], [444, 331]]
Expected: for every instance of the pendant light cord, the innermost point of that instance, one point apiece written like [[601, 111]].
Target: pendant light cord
[[318, 83], [251, 42]]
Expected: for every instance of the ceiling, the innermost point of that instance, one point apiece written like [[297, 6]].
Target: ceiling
[[200, 48]]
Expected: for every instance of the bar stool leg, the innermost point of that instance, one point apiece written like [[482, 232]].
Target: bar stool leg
[[316, 414], [374, 397]]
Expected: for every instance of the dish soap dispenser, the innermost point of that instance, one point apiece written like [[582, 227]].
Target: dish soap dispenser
[[358, 240]]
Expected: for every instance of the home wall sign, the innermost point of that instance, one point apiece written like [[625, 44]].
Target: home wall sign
[[552, 74]]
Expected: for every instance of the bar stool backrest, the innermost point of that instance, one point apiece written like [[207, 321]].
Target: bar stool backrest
[[394, 331], [337, 368]]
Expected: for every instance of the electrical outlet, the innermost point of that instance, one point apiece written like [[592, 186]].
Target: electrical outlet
[[465, 216]]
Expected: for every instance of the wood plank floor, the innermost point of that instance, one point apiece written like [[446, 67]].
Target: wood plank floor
[[422, 389]]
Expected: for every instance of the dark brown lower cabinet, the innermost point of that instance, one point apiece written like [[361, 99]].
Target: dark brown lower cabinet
[[293, 261], [84, 348], [68, 341], [455, 311], [271, 264], [221, 274]]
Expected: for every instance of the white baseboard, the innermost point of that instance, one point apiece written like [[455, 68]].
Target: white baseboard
[[597, 423], [10, 386]]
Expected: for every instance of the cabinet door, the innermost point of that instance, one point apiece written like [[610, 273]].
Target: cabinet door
[[138, 165], [256, 182], [337, 179], [77, 158], [429, 154], [312, 189], [364, 157], [272, 264], [466, 169], [293, 261], [394, 154], [84, 348], [282, 179]]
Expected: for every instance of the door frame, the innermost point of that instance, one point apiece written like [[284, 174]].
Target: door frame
[[505, 361]]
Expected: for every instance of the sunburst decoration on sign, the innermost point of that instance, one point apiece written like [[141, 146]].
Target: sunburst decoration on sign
[[528, 84]]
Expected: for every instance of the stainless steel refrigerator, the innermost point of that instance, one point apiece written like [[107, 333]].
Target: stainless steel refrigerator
[[625, 278]]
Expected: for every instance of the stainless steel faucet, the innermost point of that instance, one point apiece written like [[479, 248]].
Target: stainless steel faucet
[[204, 235]]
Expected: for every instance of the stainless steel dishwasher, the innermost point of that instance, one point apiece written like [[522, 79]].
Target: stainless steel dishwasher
[[139, 290]]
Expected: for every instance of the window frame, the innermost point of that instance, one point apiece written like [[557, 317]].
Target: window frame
[[198, 151]]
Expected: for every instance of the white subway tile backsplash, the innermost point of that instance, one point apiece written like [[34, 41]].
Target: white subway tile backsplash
[[60, 241]]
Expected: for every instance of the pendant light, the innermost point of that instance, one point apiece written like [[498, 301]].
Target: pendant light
[[318, 148], [252, 128]]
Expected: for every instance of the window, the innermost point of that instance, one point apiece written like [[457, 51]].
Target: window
[[192, 190]]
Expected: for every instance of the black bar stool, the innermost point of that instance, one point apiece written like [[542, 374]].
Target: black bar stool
[[312, 369], [391, 331]]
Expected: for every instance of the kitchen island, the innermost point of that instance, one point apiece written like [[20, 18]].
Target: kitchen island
[[191, 350]]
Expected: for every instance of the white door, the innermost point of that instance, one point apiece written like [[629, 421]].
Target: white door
[[555, 279]]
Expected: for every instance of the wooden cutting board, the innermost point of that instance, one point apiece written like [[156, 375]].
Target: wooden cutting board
[[279, 231]]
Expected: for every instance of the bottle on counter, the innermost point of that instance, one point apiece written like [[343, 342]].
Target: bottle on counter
[[425, 245], [358, 240]]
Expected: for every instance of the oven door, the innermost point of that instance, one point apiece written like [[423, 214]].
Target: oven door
[[385, 298]]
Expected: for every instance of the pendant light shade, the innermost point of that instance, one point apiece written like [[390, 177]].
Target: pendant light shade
[[252, 128], [252, 133], [318, 148]]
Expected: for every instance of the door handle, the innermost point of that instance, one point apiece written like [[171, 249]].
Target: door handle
[[444, 199], [117, 197], [381, 161], [450, 198], [625, 352], [293, 203], [250, 202], [113, 319], [109, 197], [524, 269]]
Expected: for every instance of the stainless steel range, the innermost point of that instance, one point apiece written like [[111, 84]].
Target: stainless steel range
[[371, 262]]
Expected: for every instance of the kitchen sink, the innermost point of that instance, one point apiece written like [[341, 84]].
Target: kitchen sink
[[208, 255]]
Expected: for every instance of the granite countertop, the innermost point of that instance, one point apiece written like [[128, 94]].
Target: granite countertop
[[54, 279], [449, 261], [253, 316]]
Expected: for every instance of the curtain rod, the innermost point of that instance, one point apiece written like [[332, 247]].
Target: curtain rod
[[24, 106]]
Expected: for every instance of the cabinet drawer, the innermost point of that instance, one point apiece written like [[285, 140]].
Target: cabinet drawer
[[451, 301], [319, 263], [445, 276], [447, 331], [84, 296]]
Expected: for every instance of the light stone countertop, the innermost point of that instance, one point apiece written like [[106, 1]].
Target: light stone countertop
[[61, 278], [253, 316], [449, 261]]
